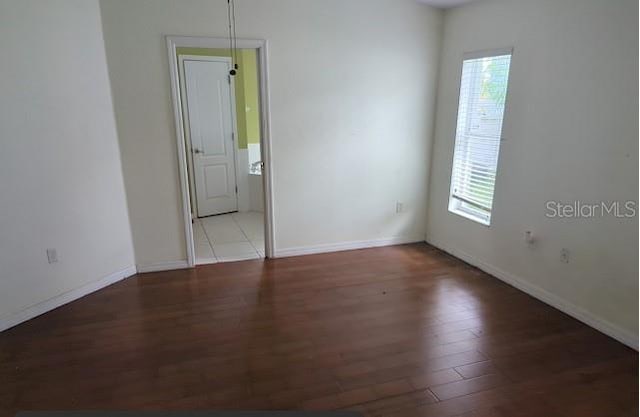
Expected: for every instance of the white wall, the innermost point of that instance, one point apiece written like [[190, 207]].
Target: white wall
[[60, 173], [352, 98], [571, 133]]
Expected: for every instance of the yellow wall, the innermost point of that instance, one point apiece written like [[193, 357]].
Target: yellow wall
[[246, 90], [251, 95]]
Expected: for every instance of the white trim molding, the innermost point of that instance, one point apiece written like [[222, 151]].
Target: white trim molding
[[578, 313], [64, 298], [163, 266], [343, 246], [488, 53]]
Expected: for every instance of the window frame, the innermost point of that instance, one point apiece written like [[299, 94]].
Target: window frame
[[456, 205]]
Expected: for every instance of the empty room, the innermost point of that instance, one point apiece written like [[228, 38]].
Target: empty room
[[319, 208]]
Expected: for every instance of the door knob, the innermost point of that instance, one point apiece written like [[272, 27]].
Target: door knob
[[196, 150]]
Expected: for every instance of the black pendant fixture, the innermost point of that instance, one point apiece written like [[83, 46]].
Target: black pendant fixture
[[233, 39]]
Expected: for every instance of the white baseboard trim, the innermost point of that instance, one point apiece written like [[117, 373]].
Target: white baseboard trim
[[64, 298], [602, 325], [163, 266], [337, 247]]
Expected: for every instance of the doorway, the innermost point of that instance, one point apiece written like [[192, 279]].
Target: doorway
[[222, 127]]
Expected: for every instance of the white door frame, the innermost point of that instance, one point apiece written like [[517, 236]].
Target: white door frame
[[174, 42], [185, 117]]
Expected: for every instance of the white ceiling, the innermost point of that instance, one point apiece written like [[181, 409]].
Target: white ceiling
[[445, 4]]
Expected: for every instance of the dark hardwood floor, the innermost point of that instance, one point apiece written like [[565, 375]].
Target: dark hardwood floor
[[396, 331]]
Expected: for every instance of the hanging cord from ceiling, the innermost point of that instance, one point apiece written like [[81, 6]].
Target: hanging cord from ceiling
[[233, 39]]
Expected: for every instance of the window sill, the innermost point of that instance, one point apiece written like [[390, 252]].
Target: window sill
[[470, 216]]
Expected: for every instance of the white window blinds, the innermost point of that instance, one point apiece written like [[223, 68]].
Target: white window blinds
[[483, 91]]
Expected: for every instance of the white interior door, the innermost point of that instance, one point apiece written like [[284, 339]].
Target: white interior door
[[211, 129]]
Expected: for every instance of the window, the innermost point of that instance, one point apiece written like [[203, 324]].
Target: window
[[483, 92]]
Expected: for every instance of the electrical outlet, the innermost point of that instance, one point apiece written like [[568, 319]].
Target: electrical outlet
[[52, 255], [399, 207], [564, 255]]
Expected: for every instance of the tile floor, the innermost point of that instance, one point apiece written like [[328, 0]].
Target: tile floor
[[229, 237]]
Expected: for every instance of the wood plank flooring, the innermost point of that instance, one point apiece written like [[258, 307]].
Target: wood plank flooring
[[396, 331]]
